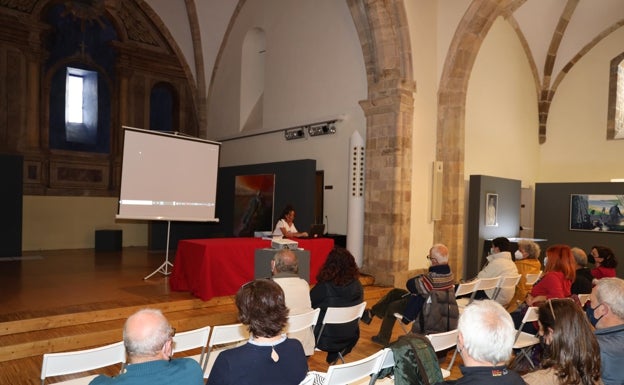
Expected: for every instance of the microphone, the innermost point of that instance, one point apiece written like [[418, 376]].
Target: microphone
[[327, 225]]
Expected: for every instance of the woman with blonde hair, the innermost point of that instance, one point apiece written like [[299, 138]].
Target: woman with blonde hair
[[527, 262], [572, 353]]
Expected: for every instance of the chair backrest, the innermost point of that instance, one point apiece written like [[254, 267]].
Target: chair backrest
[[223, 335], [352, 371], [443, 341], [487, 283], [192, 339], [341, 315], [531, 315], [532, 278], [466, 288], [57, 364], [508, 282], [302, 321], [583, 298]]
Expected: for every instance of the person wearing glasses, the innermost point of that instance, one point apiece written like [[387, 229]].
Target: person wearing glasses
[[148, 338], [606, 312], [571, 352], [605, 262], [410, 303]]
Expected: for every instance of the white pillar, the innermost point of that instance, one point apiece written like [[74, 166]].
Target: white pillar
[[355, 214]]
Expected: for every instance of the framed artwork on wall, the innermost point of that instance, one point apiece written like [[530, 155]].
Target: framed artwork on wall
[[491, 209], [253, 204], [597, 213]]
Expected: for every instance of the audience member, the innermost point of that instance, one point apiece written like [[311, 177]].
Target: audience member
[[148, 338], [485, 340], [605, 262], [583, 282], [571, 352], [285, 227], [269, 357], [338, 285], [527, 262], [499, 264], [285, 271], [439, 280], [559, 273], [607, 314]]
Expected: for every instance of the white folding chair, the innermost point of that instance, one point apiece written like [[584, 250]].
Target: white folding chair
[[58, 364], [532, 278], [464, 289], [508, 282], [526, 340], [193, 339], [583, 298], [351, 372], [341, 315], [386, 362], [443, 341], [228, 335], [486, 284], [302, 321]]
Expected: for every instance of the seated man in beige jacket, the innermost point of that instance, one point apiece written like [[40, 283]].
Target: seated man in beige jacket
[[285, 270]]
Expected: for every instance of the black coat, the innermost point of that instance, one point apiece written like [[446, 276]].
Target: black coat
[[336, 338]]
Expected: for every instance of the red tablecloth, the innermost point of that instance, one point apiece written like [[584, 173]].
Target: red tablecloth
[[219, 266]]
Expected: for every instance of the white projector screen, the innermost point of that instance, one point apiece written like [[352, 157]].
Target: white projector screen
[[168, 177]]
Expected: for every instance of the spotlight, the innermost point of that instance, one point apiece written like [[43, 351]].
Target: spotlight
[[294, 133], [322, 129]]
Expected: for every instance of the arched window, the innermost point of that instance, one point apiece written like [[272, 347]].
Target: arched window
[[252, 80], [163, 108], [615, 119]]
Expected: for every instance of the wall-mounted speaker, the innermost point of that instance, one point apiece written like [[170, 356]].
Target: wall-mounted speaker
[[436, 191]]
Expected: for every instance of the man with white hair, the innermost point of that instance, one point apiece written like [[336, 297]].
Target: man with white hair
[[148, 338], [429, 300], [485, 340], [606, 312]]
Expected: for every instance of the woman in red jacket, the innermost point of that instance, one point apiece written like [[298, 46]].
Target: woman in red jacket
[[559, 273], [605, 262]]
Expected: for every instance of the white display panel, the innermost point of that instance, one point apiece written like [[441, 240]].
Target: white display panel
[[168, 177]]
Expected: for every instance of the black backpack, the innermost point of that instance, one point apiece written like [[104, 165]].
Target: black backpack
[[415, 361]]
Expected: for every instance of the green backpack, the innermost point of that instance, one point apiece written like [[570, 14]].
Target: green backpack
[[415, 361]]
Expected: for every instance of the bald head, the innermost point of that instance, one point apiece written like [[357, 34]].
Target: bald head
[[147, 336], [439, 254], [285, 261]]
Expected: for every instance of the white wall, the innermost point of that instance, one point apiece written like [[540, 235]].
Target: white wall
[[501, 111], [422, 19], [314, 71], [576, 148]]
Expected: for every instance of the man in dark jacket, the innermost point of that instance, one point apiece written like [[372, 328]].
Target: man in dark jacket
[[438, 281], [607, 308], [485, 339]]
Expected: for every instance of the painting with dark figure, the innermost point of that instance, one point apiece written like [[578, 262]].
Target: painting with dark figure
[[253, 204], [597, 213]]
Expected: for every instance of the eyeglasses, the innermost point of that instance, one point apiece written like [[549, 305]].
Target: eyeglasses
[[172, 332]]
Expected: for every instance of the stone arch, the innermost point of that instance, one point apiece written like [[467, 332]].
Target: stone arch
[[384, 36], [462, 54]]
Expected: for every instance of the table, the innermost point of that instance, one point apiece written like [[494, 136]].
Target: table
[[219, 266]]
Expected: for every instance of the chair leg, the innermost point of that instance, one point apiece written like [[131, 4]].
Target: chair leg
[[452, 360]]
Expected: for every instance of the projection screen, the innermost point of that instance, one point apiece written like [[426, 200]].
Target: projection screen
[[168, 177]]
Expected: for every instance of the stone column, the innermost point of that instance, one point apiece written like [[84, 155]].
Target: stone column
[[389, 115]]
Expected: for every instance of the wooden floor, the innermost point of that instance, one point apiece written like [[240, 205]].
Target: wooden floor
[[65, 300]]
